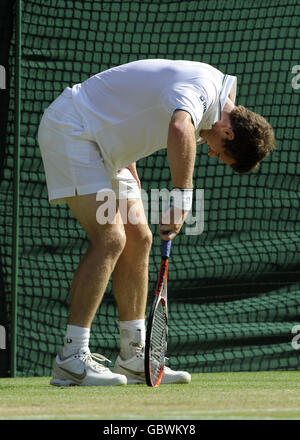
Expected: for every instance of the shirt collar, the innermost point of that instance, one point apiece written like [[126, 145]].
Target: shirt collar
[[228, 90]]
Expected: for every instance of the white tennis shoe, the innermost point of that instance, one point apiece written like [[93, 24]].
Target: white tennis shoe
[[134, 370], [83, 368]]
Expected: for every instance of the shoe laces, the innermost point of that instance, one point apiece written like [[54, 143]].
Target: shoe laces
[[139, 348], [93, 359]]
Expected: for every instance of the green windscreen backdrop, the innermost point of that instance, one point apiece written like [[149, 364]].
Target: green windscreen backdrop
[[234, 289]]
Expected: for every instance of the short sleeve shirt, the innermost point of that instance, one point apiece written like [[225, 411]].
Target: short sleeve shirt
[[127, 109]]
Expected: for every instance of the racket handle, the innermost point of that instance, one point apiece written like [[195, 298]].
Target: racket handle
[[166, 247]]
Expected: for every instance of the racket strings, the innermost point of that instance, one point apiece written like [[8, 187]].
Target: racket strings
[[158, 342]]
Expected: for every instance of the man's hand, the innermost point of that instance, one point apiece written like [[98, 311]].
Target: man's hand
[[133, 170], [171, 221]]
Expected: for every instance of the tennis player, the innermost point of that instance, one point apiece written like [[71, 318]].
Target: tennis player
[[90, 138]]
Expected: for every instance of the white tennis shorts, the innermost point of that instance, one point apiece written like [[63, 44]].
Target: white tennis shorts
[[72, 161]]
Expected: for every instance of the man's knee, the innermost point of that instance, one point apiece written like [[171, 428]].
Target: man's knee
[[111, 241], [146, 240], [108, 238], [141, 239]]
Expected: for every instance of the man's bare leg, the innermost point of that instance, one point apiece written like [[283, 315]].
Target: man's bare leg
[[75, 365], [107, 242], [130, 279]]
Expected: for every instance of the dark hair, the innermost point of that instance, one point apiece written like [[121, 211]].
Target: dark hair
[[253, 139]]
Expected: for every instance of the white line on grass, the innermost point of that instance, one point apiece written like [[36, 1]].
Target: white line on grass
[[165, 415], [231, 411]]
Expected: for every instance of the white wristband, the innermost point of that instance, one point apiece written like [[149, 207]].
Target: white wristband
[[182, 198]]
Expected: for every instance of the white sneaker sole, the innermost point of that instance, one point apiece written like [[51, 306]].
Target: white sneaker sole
[[69, 383], [63, 383]]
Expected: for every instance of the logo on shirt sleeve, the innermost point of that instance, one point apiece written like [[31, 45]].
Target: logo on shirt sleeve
[[203, 102]]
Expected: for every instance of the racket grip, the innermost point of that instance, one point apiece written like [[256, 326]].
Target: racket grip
[[166, 248]]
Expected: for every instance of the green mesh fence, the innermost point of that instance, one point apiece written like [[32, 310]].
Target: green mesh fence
[[6, 31], [234, 290]]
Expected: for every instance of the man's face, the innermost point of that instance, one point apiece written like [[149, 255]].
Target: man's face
[[215, 139]]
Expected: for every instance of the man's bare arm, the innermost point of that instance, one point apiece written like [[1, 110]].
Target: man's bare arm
[[181, 155], [181, 149]]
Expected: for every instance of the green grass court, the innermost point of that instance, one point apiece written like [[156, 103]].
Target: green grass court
[[211, 396], [234, 289]]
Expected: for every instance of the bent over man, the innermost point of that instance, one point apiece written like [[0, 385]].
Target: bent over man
[[90, 138]]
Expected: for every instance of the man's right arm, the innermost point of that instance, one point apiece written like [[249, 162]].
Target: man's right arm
[[181, 148]]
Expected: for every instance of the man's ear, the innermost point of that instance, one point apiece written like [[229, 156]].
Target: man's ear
[[229, 133]]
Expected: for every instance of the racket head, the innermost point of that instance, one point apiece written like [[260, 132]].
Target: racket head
[[156, 341]]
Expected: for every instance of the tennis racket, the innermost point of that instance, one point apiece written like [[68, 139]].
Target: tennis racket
[[157, 327]]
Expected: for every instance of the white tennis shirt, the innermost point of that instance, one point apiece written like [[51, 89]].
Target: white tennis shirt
[[127, 109]]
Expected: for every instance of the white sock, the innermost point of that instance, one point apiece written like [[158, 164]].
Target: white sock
[[77, 338], [132, 336]]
